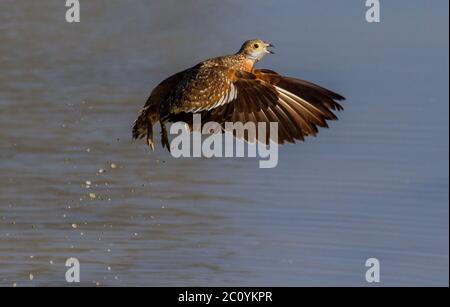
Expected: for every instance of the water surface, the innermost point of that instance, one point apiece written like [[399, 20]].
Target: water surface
[[375, 185]]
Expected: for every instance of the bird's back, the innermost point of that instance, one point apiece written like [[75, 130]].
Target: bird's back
[[234, 61]]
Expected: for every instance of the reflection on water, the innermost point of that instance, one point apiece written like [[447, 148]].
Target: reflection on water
[[375, 185]]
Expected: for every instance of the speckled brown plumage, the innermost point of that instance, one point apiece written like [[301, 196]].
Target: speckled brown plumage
[[228, 88]]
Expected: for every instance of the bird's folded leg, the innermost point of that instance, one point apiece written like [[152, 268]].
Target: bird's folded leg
[[164, 136], [150, 142]]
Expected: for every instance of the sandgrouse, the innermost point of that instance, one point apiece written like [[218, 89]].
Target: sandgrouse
[[230, 89]]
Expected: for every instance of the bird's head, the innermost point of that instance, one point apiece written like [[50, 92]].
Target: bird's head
[[255, 49]]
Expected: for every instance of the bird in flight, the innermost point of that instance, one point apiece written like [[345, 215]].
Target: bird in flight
[[230, 89]]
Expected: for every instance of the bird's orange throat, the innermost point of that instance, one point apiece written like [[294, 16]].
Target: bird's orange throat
[[248, 65]]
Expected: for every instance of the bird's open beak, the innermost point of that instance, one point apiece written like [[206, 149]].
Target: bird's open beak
[[269, 45]]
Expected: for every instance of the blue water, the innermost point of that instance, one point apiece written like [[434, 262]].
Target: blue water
[[374, 185]]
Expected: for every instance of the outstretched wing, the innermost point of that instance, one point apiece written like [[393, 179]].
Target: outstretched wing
[[221, 94], [313, 93]]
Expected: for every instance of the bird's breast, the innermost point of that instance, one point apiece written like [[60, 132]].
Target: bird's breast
[[247, 65]]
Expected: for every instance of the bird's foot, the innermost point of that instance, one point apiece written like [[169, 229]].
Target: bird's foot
[[164, 137], [165, 142], [151, 144]]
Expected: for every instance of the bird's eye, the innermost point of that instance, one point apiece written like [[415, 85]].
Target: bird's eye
[[256, 46]]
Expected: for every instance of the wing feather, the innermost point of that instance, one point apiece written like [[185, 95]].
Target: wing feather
[[221, 94]]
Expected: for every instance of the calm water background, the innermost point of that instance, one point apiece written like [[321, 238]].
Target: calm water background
[[375, 185]]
